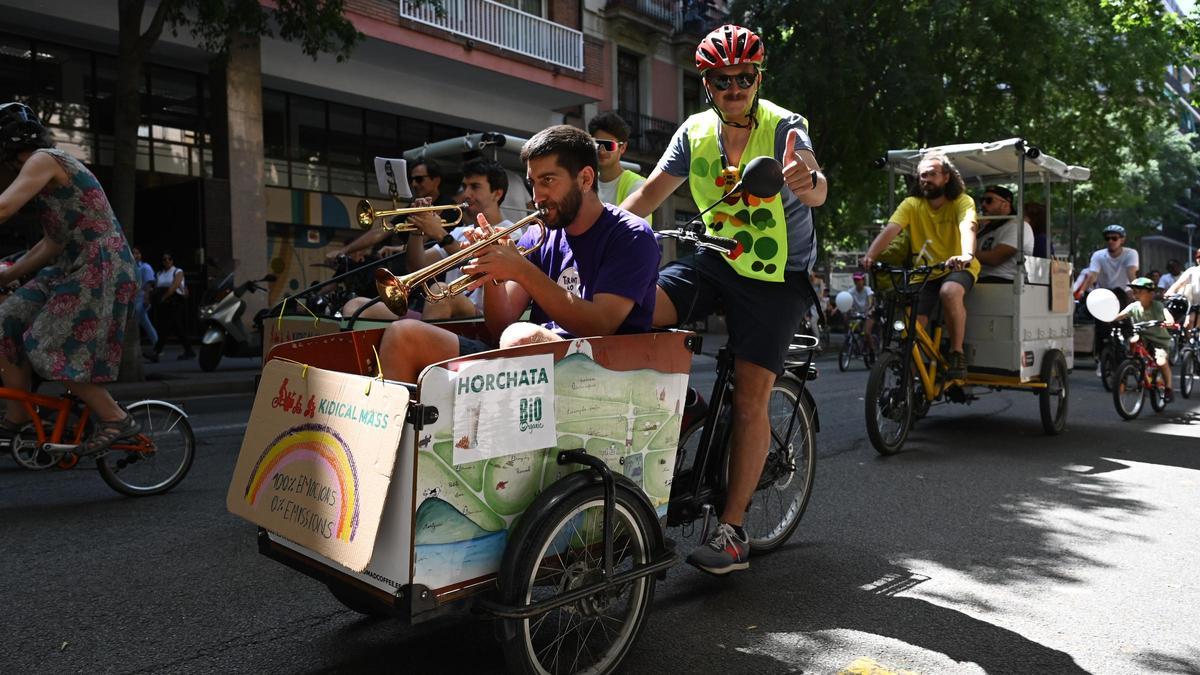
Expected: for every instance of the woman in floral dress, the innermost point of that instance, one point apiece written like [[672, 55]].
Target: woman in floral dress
[[68, 322]]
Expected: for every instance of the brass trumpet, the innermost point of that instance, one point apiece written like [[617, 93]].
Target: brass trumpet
[[367, 216], [394, 290]]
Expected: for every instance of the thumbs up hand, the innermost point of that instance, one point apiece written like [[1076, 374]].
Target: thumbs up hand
[[797, 172]]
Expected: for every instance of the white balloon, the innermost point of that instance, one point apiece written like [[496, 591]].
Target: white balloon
[[1103, 304], [844, 301]]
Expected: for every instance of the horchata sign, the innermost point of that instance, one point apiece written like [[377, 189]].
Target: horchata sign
[[317, 459], [503, 407]]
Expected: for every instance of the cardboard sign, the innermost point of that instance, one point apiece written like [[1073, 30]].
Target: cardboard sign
[[392, 177], [503, 407], [317, 459], [295, 328], [1060, 287]]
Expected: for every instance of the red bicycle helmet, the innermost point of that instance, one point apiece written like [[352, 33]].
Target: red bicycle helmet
[[729, 45]]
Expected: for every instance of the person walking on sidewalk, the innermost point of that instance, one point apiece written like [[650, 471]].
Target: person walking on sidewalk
[[68, 322], [170, 310], [145, 275]]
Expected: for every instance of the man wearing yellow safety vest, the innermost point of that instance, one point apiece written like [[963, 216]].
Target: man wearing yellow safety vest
[[765, 289], [616, 182]]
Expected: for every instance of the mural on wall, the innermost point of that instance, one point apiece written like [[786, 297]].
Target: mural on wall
[[301, 228]]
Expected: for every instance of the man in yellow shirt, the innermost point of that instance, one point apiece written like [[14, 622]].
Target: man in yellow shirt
[[940, 219]]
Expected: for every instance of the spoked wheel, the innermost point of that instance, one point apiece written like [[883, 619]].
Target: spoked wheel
[[786, 483], [1127, 389], [920, 404], [1191, 370], [565, 552], [1052, 401], [845, 354], [1157, 391], [889, 404], [1107, 366], [157, 459]]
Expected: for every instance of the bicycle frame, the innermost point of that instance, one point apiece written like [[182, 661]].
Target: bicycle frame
[[700, 488], [61, 439]]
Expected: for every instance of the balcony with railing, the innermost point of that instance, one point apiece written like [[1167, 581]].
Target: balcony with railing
[[503, 27], [672, 17], [647, 135]]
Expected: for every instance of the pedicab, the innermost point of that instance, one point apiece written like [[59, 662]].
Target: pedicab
[[530, 484], [1019, 334]]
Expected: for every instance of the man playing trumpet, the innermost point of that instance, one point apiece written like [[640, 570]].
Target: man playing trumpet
[[594, 273]]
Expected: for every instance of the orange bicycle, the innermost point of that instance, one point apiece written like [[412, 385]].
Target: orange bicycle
[[150, 463]]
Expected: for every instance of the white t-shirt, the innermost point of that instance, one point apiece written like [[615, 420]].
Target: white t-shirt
[[167, 277], [1191, 288], [862, 299], [1113, 272], [459, 235], [1005, 234], [1166, 280], [608, 190]]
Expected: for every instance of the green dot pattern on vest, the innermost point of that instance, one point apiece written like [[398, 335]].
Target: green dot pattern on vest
[[762, 219], [765, 248]]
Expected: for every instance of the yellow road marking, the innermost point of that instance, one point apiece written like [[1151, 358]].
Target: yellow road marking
[[865, 666]]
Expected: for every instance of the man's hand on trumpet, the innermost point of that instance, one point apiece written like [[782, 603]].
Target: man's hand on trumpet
[[499, 262]]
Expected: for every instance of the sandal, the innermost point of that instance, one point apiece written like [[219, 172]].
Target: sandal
[[107, 433]]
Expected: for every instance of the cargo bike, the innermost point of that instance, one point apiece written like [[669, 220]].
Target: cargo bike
[[1019, 334], [532, 484]]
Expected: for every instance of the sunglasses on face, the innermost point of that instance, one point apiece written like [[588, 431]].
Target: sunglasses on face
[[417, 179], [607, 146], [724, 82], [1114, 238], [989, 200]]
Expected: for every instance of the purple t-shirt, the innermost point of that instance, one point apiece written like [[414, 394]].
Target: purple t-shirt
[[617, 255]]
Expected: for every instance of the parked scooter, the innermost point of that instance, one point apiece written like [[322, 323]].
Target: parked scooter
[[224, 332]]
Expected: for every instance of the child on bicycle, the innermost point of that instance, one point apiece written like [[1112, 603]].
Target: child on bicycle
[[1146, 308], [68, 321]]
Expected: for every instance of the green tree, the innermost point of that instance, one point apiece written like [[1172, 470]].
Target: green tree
[[316, 25], [1079, 78]]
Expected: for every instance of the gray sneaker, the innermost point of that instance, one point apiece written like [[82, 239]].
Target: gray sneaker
[[725, 552]]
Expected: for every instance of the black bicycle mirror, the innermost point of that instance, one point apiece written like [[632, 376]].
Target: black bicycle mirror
[[763, 177]]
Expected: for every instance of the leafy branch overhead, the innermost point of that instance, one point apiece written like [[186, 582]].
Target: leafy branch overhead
[[1082, 79], [317, 26]]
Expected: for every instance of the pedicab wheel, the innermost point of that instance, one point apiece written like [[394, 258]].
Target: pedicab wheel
[[156, 459], [920, 404], [563, 551], [889, 404], [1189, 373], [1106, 367], [1127, 389], [786, 483], [1157, 392], [844, 357], [1052, 401]]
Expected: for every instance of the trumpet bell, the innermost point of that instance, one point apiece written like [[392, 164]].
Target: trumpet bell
[[393, 291], [365, 214]]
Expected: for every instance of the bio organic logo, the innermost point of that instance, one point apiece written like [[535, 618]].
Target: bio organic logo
[[531, 413]]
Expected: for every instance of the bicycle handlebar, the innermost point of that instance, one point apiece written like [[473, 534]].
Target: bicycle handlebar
[[730, 247]]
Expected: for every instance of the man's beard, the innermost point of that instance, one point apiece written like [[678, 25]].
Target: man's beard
[[933, 192], [567, 209]]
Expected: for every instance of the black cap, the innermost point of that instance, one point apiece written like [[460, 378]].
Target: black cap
[[1002, 191]]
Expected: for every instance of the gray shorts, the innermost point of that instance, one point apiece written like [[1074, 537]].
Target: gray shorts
[[468, 346], [762, 315], [929, 293]]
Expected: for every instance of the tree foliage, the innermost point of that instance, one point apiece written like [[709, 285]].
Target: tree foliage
[[1081, 79]]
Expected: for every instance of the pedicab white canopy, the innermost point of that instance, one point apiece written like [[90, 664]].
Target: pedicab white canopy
[[996, 162]]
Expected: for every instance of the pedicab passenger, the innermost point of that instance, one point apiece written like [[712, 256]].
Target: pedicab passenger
[[68, 322], [997, 251], [941, 217], [594, 275], [1146, 308]]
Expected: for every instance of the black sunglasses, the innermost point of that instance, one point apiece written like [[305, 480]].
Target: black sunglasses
[[989, 200], [724, 82], [417, 179], [606, 145], [1113, 238]]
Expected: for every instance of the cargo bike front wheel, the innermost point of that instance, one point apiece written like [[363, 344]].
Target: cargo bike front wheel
[[554, 570]]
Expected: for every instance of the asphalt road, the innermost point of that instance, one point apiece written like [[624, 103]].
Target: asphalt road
[[984, 547]]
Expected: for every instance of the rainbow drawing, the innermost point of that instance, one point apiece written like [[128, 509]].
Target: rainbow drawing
[[323, 446]]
